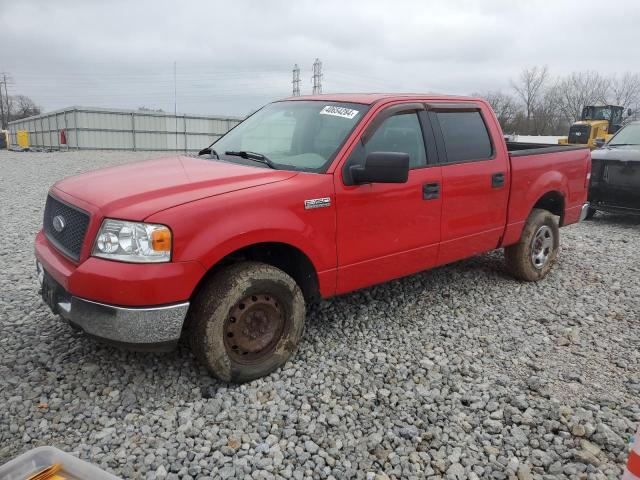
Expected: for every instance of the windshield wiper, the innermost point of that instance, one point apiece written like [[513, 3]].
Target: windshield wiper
[[210, 151], [621, 144], [258, 157]]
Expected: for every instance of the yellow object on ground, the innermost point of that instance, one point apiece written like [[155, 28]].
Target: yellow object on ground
[[48, 463], [22, 136], [49, 473]]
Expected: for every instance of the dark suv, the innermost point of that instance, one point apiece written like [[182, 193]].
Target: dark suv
[[615, 173]]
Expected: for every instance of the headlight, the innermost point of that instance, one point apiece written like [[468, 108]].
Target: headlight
[[133, 242]]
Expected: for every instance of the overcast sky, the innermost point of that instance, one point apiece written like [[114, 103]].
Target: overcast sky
[[233, 56]]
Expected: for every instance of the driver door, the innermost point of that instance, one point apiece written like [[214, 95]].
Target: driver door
[[388, 230]]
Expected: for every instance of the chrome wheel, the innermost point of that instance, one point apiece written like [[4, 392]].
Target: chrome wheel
[[542, 247]]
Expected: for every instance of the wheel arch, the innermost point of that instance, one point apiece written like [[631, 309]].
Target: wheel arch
[[552, 201], [285, 256]]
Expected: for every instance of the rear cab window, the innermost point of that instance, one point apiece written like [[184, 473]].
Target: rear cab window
[[465, 135]]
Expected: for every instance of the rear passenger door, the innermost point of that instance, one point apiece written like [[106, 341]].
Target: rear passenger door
[[475, 180]]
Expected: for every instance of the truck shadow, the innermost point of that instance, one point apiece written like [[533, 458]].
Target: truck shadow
[[630, 221]]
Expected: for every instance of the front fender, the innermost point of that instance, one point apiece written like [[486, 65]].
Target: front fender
[[212, 253], [210, 229]]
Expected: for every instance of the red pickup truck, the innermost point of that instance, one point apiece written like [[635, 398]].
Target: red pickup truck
[[308, 198]]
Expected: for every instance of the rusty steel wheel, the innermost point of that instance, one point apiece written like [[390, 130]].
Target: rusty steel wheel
[[246, 321], [254, 327]]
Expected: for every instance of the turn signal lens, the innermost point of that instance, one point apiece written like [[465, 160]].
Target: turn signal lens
[[161, 240]]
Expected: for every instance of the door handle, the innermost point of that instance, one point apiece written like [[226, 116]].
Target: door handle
[[497, 180], [430, 191]]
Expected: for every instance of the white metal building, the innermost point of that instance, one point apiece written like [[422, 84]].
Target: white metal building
[[92, 128]]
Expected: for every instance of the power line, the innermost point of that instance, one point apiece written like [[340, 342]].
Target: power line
[[317, 77]]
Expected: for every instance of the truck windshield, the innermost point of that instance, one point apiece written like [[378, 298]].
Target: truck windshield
[[629, 135], [293, 135]]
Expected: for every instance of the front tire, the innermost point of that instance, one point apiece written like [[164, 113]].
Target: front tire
[[533, 256], [247, 321]]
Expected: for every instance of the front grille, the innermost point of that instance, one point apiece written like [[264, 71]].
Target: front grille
[[579, 134], [622, 175], [66, 232], [596, 170]]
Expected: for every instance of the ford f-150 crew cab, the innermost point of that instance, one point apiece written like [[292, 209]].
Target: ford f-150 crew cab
[[307, 198]]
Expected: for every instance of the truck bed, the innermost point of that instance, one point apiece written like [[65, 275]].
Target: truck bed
[[518, 149], [534, 167]]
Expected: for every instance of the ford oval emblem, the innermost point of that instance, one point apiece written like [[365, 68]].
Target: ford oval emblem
[[58, 223]]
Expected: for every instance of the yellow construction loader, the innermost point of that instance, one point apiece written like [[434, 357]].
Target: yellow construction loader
[[596, 123]]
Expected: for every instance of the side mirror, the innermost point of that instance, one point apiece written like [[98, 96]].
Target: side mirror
[[599, 142], [382, 167]]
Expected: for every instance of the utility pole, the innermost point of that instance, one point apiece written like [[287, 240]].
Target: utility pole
[[175, 103], [317, 77], [6, 98], [6, 94], [4, 104], [296, 80], [2, 122]]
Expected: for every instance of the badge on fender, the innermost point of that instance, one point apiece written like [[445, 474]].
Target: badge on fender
[[317, 203]]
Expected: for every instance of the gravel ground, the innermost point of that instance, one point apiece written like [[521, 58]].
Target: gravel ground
[[459, 372]]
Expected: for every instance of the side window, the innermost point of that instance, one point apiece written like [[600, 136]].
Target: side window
[[465, 136], [400, 133]]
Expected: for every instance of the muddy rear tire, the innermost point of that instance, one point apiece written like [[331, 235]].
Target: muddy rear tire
[[247, 321], [533, 256]]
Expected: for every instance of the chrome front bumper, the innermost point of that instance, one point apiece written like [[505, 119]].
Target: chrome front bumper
[[584, 211], [134, 326], [140, 328]]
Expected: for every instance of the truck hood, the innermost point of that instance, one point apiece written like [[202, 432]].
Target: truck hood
[[626, 153], [136, 190]]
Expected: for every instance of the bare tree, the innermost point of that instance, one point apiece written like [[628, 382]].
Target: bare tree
[[546, 106], [625, 90], [580, 89], [21, 106], [530, 86], [548, 118], [504, 106]]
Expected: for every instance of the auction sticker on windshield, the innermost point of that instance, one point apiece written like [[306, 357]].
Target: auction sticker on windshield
[[339, 111]]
